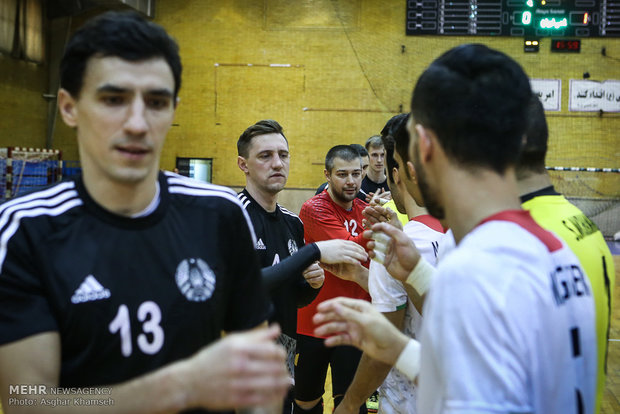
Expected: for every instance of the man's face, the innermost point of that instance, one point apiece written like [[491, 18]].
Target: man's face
[[345, 179], [398, 186], [267, 164], [365, 163], [429, 195], [377, 159], [122, 117], [408, 180]]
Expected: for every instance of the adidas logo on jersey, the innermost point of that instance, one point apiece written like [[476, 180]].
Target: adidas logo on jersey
[[90, 290], [260, 245]]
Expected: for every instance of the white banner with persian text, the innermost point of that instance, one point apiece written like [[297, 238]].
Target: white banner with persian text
[[549, 91], [593, 96]]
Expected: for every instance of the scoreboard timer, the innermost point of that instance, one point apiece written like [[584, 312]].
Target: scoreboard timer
[[529, 18], [566, 45]]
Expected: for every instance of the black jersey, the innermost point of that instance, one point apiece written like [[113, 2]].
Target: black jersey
[[127, 295], [369, 186], [279, 235]]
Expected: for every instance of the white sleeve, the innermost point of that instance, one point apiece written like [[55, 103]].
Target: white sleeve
[[387, 293]]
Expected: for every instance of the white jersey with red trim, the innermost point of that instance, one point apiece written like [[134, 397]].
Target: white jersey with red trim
[[397, 394], [509, 325]]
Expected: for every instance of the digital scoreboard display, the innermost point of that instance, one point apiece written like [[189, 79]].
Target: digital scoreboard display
[[528, 18], [566, 45]]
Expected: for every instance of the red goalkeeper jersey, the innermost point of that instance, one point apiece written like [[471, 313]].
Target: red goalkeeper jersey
[[325, 220]]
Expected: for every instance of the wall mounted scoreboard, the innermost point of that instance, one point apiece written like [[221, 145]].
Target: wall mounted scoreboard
[[526, 18]]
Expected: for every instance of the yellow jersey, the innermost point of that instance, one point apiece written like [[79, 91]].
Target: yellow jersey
[[554, 212]]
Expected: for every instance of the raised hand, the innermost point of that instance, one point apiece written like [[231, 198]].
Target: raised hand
[[240, 370], [391, 247], [341, 251], [314, 275], [346, 321], [353, 272]]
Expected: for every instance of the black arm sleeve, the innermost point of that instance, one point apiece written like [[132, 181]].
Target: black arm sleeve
[[305, 293], [290, 268]]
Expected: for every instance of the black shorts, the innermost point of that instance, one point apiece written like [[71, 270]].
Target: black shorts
[[313, 358]]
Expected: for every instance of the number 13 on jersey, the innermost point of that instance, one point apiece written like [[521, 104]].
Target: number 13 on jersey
[[148, 313]]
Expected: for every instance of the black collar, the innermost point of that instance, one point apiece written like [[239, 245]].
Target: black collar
[[542, 192]]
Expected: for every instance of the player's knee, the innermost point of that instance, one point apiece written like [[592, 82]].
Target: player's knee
[[308, 407]]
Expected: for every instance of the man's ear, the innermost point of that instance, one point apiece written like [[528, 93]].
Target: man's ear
[[242, 164], [328, 176], [396, 175], [425, 143], [67, 106], [412, 173]]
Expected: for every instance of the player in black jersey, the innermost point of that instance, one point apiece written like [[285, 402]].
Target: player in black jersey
[[290, 272], [125, 277], [375, 181]]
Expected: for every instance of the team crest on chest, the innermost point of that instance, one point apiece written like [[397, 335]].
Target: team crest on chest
[[195, 279], [292, 246]]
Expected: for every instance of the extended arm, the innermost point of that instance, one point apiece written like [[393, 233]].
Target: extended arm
[[346, 321], [301, 263], [327, 251], [334, 254], [290, 268], [391, 247], [353, 272], [240, 370], [370, 374]]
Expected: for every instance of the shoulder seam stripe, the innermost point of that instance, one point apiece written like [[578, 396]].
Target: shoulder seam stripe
[[57, 201], [290, 213], [38, 211], [208, 192], [38, 195], [177, 180]]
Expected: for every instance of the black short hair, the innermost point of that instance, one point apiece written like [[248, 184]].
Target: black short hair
[[126, 35], [262, 127], [393, 129], [532, 157], [344, 152], [360, 149], [474, 98]]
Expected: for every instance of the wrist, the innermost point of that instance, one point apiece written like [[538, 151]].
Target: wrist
[[421, 276], [350, 402], [408, 361], [179, 387]]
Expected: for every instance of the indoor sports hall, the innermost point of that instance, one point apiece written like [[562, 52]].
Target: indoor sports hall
[[330, 72]]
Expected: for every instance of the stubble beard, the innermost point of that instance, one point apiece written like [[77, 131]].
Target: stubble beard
[[344, 197], [428, 195]]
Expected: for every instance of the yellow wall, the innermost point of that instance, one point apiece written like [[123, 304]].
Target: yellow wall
[[349, 70], [348, 75], [23, 111]]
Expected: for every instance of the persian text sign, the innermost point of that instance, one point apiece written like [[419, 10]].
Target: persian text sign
[[592, 96], [549, 92]]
